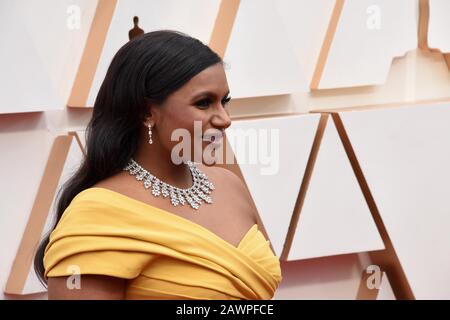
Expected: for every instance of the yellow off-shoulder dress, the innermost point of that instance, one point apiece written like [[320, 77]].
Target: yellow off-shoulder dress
[[163, 255]]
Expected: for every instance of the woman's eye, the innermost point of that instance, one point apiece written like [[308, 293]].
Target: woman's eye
[[204, 103], [226, 100]]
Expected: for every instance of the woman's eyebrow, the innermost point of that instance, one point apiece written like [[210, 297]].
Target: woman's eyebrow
[[208, 94]]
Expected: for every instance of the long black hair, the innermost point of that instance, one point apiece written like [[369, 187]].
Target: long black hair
[[146, 69]]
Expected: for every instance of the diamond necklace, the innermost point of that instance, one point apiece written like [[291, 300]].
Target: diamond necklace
[[195, 195]]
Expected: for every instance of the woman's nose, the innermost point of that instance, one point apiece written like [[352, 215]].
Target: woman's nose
[[221, 118]]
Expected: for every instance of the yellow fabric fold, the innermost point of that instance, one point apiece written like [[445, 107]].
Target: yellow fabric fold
[[107, 233]]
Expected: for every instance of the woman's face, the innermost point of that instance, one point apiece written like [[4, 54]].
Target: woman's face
[[198, 109]]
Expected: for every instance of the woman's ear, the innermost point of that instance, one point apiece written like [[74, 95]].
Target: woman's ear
[[152, 113], [149, 114]]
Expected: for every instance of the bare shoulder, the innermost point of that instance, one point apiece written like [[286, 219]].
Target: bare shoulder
[[235, 187], [237, 190]]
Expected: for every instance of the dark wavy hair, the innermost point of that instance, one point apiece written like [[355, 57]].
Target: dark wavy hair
[[145, 70]]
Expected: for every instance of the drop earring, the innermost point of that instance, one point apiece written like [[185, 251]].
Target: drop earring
[[150, 141]]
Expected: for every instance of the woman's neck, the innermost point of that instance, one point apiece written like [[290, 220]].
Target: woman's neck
[[159, 163]]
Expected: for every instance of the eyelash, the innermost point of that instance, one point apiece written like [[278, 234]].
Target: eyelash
[[201, 103]]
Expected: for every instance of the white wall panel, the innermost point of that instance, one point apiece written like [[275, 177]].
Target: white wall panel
[[404, 154], [260, 56], [275, 194], [439, 25], [21, 171], [42, 44], [335, 218], [369, 34], [306, 23]]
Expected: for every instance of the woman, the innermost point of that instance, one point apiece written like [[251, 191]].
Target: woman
[[135, 222]]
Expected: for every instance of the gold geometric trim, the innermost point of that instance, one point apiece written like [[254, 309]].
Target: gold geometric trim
[[326, 45], [91, 53], [223, 26]]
